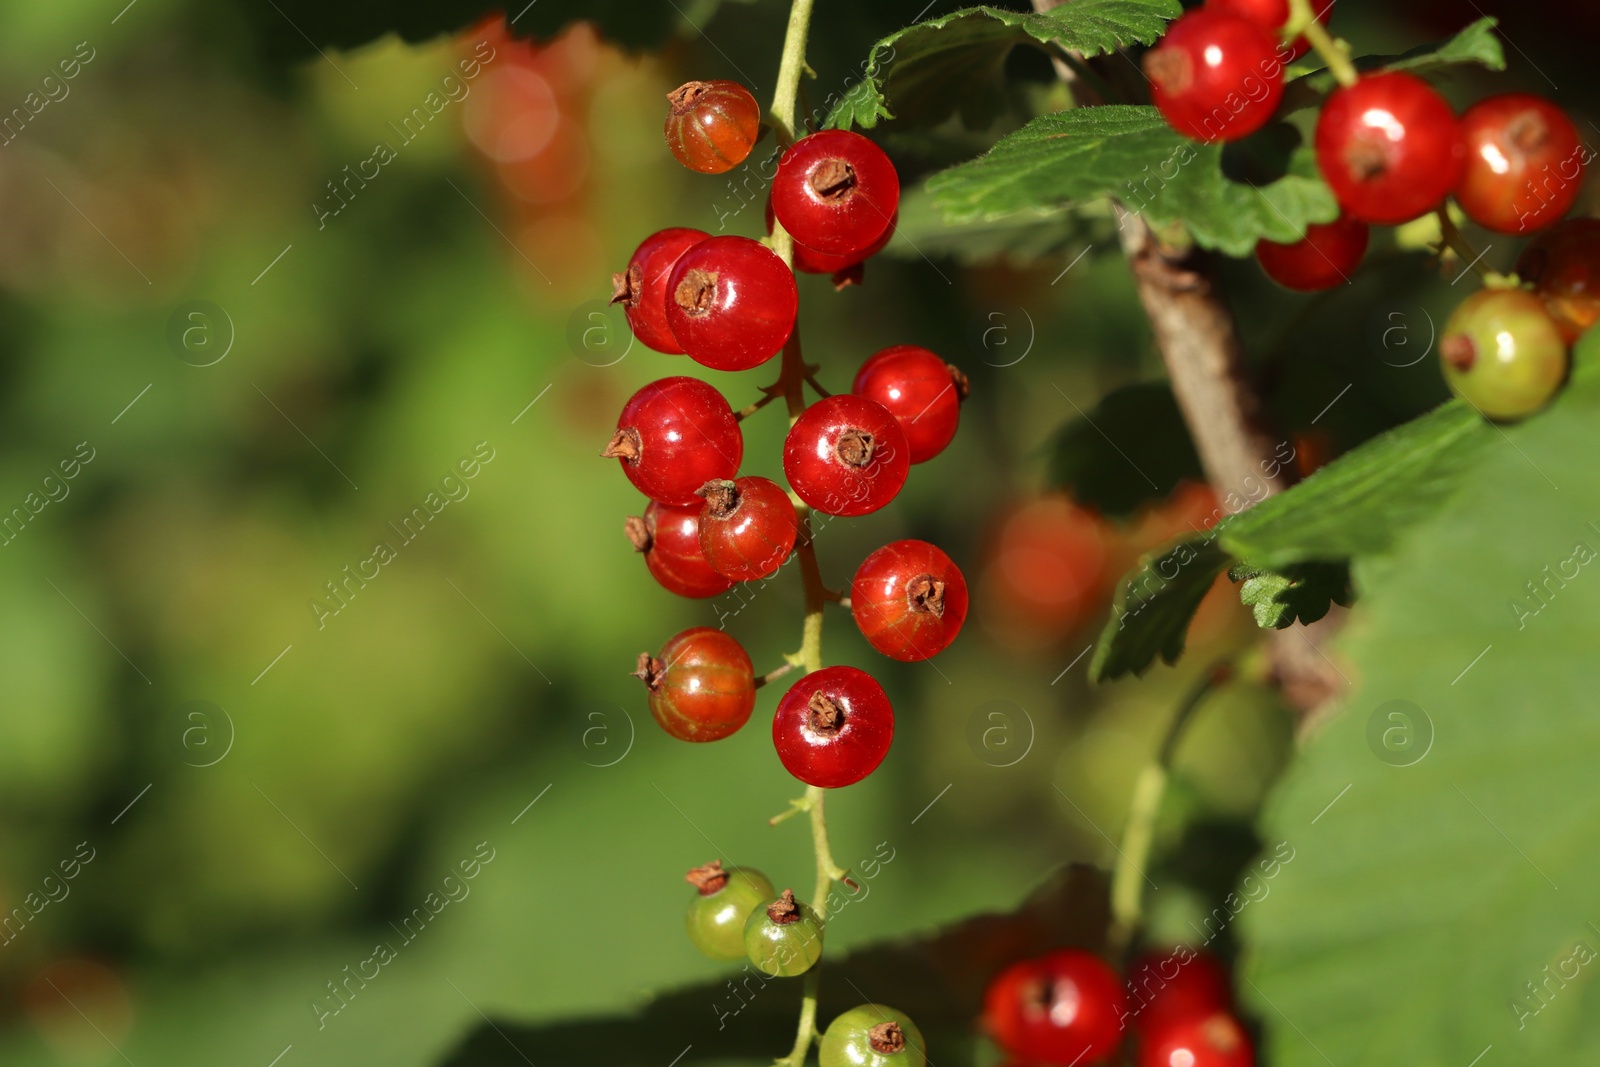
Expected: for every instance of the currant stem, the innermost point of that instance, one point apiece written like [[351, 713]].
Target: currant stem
[[1303, 23], [774, 674], [1457, 241], [1127, 890], [750, 409]]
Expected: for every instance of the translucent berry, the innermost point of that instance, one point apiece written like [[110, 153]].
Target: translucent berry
[[1327, 256], [921, 391], [731, 303], [641, 289], [1215, 1040], [1166, 987], [784, 938], [1563, 265], [1390, 148], [712, 125], [1215, 76], [702, 686], [872, 1035], [1524, 163], [668, 535], [1503, 353], [846, 455], [833, 727], [1063, 1008], [747, 527], [835, 192], [909, 600], [1271, 15], [723, 900], [673, 436]]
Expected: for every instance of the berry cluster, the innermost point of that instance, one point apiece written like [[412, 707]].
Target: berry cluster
[[730, 303], [1392, 149], [1069, 1008], [734, 914]]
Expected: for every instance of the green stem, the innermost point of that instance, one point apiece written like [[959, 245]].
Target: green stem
[[1127, 890], [790, 68], [1303, 23]]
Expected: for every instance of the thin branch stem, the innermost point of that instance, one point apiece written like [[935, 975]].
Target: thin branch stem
[[1127, 880], [774, 674], [750, 409], [1303, 23], [1457, 242]]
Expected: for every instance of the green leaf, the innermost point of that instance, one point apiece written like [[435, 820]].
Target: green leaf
[[1020, 240], [1150, 615], [1130, 153], [953, 63], [938, 979], [1301, 593], [1131, 449], [1475, 45], [1446, 828]]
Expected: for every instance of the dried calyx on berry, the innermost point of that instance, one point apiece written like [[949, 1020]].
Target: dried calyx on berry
[[925, 593], [707, 878], [638, 531], [854, 447], [834, 180], [696, 291], [624, 445], [826, 715], [650, 670], [721, 497], [887, 1038], [784, 910], [627, 286]]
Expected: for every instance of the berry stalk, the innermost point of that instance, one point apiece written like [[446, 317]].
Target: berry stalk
[[1303, 23]]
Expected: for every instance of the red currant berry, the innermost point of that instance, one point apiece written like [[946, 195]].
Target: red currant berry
[[909, 600], [1327, 255], [835, 192], [921, 391], [833, 727], [1166, 987], [1215, 76], [747, 527], [784, 938], [846, 455], [872, 1035], [723, 900], [1563, 264], [702, 686], [1270, 15], [1064, 1008], [846, 270], [731, 303], [1390, 148], [1524, 163], [642, 288], [711, 126], [1503, 353], [1215, 1040], [673, 436], [669, 537]]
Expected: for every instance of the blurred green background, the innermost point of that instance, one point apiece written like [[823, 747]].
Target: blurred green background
[[268, 387]]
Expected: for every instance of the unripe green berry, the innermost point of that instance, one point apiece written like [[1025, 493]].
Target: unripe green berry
[[722, 902], [1503, 354], [873, 1035], [784, 938]]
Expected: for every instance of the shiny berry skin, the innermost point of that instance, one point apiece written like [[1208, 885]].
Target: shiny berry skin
[[669, 537], [1215, 1040], [921, 391], [833, 727], [872, 1035], [1389, 147], [712, 125], [846, 270], [784, 938], [1215, 76], [1063, 1008], [835, 192], [747, 527], [1524, 163], [1563, 265], [846, 455], [641, 289], [1168, 987], [1503, 353], [1327, 256], [1270, 15], [673, 436], [909, 600], [724, 898], [702, 686], [731, 303]]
